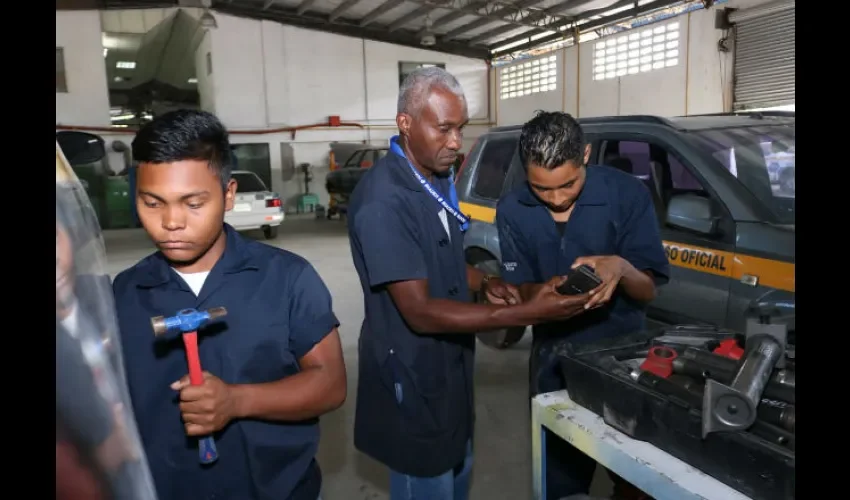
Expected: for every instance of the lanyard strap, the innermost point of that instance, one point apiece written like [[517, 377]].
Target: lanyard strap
[[450, 207]]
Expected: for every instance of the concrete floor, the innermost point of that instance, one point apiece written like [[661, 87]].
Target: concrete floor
[[502, 467]]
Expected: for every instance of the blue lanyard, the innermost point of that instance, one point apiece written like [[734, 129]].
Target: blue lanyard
[[451, 206]]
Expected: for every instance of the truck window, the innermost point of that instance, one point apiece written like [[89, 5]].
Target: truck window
[[493, 167]]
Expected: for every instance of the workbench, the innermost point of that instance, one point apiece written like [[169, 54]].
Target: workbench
[[654, 471]]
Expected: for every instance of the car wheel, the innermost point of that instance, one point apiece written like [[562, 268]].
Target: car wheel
[[270, 232], [502, 338]]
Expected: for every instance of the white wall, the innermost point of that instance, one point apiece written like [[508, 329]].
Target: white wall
[[267, 76], [87, 100], [699, 83]]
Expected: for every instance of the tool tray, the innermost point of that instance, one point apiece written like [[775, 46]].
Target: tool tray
[[759, 462]]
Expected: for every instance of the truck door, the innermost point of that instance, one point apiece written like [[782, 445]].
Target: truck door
[[701, 262]]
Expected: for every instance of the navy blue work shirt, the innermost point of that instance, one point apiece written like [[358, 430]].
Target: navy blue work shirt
[[613, 215], [278, 308], [414, 394]]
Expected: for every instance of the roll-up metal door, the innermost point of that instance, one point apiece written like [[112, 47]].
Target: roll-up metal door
[[764, 55]]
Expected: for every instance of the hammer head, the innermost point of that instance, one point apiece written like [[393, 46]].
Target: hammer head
[[185, 321]]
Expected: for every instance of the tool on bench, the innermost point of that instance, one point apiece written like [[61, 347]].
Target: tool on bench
[[691, 392], [187, 322], [660, 361], [733, 407], [703, 365]]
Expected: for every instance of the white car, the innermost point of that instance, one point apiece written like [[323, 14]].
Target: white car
[[255, 206]]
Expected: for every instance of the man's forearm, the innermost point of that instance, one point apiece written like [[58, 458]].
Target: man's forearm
[[451, 316], [307, 394], [638, 284]]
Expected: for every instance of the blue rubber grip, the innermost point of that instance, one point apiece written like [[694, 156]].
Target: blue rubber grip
[[207, 451]]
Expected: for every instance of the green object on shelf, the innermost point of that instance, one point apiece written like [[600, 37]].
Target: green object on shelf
[[307, 202]]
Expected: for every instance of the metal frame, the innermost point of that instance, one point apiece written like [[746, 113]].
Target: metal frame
[[471, 39], [655, 472]]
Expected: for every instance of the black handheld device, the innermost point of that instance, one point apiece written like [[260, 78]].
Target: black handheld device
[[581, 280]]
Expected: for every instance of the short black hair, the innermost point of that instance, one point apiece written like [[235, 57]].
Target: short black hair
[[551, 139], [185, 134]]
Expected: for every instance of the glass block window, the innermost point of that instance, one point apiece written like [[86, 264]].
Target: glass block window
[[637, 51], [529, 77]]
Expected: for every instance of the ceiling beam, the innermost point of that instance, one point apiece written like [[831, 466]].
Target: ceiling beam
[[304, 6], [512, 14], [349, 27], [401, 22], [587, 26], [551, 11], [379, 11], [343, 7]]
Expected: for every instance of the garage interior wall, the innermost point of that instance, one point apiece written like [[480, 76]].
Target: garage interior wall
[[86, 101], [699, 82], [266, 75]]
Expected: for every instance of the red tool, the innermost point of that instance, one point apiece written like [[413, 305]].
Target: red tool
[[186, 323], [659, 361], [730, 349]]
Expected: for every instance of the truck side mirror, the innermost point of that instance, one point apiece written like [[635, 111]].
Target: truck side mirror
[[692, 212]]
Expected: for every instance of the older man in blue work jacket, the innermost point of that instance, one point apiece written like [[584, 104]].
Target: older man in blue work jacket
[[565, 215], [414, 392], [273, 364]]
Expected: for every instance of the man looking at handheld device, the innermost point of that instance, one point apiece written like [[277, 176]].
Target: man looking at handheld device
[[274, 362], [414, 397], [566, 215]]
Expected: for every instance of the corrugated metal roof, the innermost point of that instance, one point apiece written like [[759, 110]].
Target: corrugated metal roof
[[472, 28]]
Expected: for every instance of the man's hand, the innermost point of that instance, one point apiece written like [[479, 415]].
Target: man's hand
[[501, 293], [205, 408], [611, 269], [552, 306]]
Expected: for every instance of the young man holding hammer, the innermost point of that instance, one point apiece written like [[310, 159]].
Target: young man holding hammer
[[272, 365]]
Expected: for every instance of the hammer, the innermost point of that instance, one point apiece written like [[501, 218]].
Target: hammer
[[187, 322]]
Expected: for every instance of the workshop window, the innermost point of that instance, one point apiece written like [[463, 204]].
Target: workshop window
[[493, 167], [405, 68], [530, 77], [61, 81], [639, 51]]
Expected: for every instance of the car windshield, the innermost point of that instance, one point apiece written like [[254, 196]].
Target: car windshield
[[248, 182], [762, 159]]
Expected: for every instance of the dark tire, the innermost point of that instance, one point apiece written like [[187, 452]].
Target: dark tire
[[496, 339], [270, 232]]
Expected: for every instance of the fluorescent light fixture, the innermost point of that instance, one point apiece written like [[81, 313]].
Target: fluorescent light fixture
[[105, 51], [192, 80], [125, 65]]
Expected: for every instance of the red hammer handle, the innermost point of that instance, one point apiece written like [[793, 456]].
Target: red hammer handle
[[190, 341]]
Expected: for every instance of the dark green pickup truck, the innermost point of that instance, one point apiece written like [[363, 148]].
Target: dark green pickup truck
[[724, 191]]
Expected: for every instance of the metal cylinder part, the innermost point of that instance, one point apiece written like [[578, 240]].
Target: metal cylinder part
[[763, 352], [216, 312], [733, 407], [704, 365], [159, 325], [778, 414]]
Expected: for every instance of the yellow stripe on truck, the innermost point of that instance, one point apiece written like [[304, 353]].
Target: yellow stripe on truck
[[770, 273], [477, 212]]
